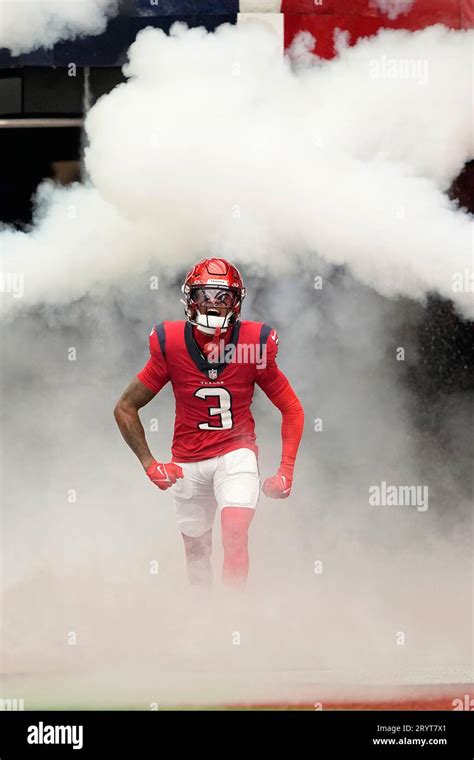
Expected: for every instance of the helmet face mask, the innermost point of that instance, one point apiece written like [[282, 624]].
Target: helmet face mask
[[214, 297], [213, 292]]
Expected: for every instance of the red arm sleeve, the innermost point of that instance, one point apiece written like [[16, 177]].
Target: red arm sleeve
[[155, 372], [278, 389]]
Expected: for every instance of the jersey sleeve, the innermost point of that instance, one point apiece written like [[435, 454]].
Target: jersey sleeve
[[155, 372], [269, 377], [278, 389]]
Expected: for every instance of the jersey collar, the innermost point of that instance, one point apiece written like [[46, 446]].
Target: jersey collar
[[211, 370]]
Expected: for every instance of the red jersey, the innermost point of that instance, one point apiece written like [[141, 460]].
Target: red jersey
[[213, 399]]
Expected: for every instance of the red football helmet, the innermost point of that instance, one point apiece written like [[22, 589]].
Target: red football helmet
[[213, 291]]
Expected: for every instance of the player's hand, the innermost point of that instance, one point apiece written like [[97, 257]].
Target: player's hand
[[278, 486], [164, 475]]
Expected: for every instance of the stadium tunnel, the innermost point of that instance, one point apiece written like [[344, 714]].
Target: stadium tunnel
[[45, 93]]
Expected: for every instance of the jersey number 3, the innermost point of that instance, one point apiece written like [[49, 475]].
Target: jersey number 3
[[223, 410]]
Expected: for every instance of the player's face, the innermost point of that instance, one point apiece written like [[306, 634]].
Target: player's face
[[216, 301]]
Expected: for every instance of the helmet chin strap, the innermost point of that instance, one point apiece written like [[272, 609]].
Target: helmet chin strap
[[208, 330], [215, 331], [209, 323]]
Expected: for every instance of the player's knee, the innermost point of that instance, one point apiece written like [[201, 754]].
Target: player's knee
[[197, 548], [234, 533], [234, 537]]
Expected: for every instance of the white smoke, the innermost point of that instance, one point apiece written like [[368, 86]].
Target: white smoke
[[83, 564], [345, 159], [29, 24], [216, 144], [394, 8]]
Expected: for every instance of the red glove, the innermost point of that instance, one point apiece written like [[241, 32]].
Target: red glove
[[279, 486], [164, 475]]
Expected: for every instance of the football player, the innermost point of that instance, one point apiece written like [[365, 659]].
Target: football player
[[213, 360]]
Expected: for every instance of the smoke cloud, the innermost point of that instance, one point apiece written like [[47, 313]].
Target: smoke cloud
[[394, 8], [26, 25], [218, 145]]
